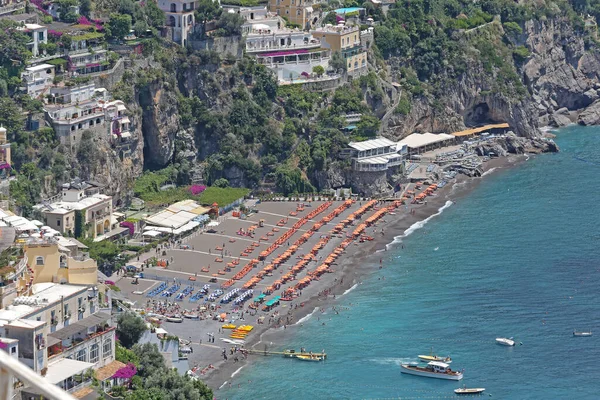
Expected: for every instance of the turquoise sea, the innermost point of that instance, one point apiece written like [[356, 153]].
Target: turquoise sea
[[519, 256]]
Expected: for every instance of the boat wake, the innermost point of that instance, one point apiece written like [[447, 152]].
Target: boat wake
[[489, 171], [436, 249], [418, 225], [236, 371], [392, 361], [306, 317], [350, 289]]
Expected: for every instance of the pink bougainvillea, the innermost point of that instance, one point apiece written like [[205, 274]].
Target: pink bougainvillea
[[127, 372], [130, 225], [83, 20], [3, 345], [54, 33], [197, 189]]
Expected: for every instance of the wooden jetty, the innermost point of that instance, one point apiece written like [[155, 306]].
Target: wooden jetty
[[287, 353]]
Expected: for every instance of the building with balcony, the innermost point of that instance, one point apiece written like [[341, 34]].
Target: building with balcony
[[180, 19], [5, 155], [61, 332], [290, 65], [298, 12], [38, 35], [37, 79], [346, 40], [373, 155], [262, 39], [89, 215], [72, 109], [115, 114]]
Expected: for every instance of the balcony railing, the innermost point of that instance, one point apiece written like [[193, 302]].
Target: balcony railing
[[11, 368], [74, 345], [250, 48], [11, 8]]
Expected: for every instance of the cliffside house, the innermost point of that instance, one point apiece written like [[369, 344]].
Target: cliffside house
[[37, 79], [346, 40], [300, 12], [81, 209], [180, 19], [38, 35]]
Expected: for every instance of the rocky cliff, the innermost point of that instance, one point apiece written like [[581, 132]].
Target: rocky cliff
[[563, 72]]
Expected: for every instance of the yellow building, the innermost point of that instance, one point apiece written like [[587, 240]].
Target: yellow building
[[295, 11], [58, 260], [346, 40]]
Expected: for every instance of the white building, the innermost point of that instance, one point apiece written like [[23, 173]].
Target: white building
[[373, 155], [180, 18], [263, 38], [422, 142], [74, 109], [38, 34], [37, 79], [61, 332], [115, 113]]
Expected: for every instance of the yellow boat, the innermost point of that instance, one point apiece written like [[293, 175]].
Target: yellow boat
[[308, 357], [228, 326], [433, 357]]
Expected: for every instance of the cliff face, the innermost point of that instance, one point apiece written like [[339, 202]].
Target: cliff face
[[563, 74]]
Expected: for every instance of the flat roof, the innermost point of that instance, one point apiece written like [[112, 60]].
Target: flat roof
[[64, 207], [371, 144], [39, 67], [417, 140], [473, 131], [26, 323], [65, 368], [177, 215], [383, 159], [34, 26]]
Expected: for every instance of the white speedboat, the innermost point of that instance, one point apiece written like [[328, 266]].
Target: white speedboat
[[466, 390], [434, 369], [582, 334], [505, 341], [174, 319], [433, 357]]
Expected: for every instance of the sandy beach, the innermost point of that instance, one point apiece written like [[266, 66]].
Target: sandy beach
[[359, 260]]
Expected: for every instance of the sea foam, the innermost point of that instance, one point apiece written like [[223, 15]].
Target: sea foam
[[306, 317], [236, 371], [350, 289], [489, 171]]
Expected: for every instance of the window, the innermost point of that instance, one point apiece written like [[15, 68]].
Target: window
[[94, 353], [58, 222], [173, 7], [81, 355], [13, 350], [107, 349], [41, 36], [39, 260]]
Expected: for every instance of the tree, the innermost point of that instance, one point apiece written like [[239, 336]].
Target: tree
[[337, 62], [368, 125], [119, 25], [125, 355], [221, 182], [230, 24], [154, 16], [318, 70], [130, 328], [207, 11], [85, 7]]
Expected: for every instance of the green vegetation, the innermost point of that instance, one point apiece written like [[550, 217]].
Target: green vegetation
[[221, 196], [244, 3], [130, 328]]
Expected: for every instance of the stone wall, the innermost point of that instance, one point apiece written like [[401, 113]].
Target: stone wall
[[233, 45], [107, 79]]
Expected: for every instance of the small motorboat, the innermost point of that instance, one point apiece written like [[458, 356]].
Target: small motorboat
[[505, 341], [176, 320], [582, 334], [434, 369], [433, 357], [192, 316], [466, 390]]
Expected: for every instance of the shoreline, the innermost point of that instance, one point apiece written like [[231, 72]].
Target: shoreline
[[348, 276]]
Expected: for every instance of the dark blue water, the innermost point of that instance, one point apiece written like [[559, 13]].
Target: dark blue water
[[519, 256]]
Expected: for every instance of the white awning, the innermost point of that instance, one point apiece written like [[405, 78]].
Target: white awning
[[309, 9], [151, 233], [65, 368], [125, 120]]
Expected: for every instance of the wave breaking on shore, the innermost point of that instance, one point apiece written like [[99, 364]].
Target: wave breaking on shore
[[418, 225], [307, 317], [351, 288]]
